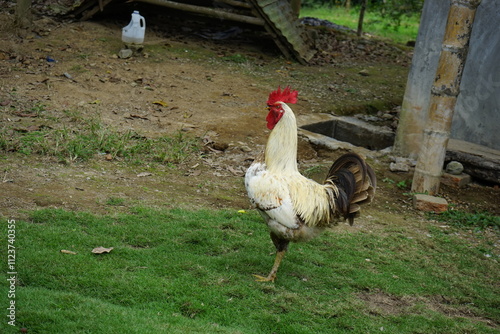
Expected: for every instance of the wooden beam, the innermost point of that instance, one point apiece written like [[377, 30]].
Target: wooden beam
[[236, 3], [99, 7], [220, 14]]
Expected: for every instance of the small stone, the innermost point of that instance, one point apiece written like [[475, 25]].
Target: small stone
[[458, 181], [136, 48], [399, 167], [370, 118], [245, 148], [220, 146], [125, 53], [364, 73], [429, 203], [454, 168], [408, 161]]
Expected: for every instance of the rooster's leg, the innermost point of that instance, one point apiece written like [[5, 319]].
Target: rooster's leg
[[272, 275], [281, 248]]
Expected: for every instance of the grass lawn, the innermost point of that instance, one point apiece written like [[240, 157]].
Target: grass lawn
[[373, 22], [178, 271]]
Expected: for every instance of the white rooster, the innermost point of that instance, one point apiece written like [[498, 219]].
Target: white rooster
[[294, 207]]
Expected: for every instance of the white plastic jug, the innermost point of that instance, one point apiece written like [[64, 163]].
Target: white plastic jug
[[134, 32]]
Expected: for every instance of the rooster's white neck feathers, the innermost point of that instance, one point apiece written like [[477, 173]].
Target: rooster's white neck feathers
[[281, 148]]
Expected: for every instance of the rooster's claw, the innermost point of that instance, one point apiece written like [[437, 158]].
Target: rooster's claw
[[269, 278]]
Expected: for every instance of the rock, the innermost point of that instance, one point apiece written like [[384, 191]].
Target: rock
[[400, 164], [368, 118], [458, 181], [364, 73], [399, 167], [220, 146], [137, 49], [245, 148], [479, 162], [125, 53], [454, 168], [429, 203], [408, 161]]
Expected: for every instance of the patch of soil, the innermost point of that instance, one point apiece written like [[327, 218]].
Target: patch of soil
[[60, 72], [381, 303]]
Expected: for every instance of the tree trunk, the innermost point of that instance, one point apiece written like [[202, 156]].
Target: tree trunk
[[361, 17], [23, 17], [444, 94], [296, 5]]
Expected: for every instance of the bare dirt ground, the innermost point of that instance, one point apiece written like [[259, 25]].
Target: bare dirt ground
[[209, 88]]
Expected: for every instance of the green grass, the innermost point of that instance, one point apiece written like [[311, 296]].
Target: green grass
[[236, 58], [373, 22], [115, 201], [92, 138], [178, 271], [459, 218]]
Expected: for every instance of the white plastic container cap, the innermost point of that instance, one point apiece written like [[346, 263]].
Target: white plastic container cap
[[134, 32]]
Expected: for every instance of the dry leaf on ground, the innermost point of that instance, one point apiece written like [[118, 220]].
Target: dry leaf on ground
[[101, 250]]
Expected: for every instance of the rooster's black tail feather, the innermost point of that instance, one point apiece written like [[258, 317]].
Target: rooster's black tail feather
[[353, 183]]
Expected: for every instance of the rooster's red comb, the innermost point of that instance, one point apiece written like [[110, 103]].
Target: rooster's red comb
[[286, 95]]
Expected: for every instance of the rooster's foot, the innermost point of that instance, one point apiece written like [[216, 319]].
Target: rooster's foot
[[269, 278]]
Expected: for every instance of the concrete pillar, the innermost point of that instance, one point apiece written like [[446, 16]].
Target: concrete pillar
[[444, 94]]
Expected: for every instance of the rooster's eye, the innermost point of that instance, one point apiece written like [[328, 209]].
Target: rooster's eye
[[277, 108]]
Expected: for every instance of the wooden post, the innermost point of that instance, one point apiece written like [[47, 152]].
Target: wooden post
[[444, 92]]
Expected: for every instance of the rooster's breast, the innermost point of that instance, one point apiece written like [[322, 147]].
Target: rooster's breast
[[270, 194], [264, 188]]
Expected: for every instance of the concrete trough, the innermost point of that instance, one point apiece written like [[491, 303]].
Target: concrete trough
[[350, 133], [354, 131]]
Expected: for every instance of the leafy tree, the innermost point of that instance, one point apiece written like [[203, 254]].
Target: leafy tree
[[394, 10]]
